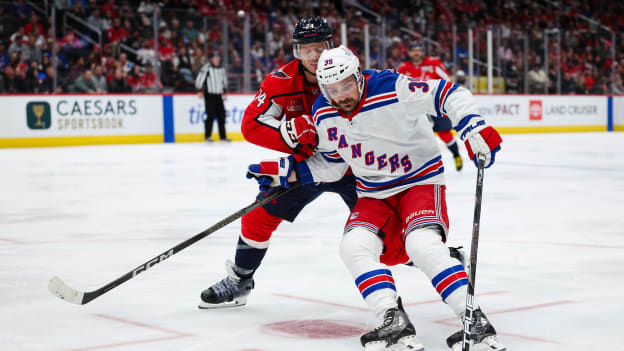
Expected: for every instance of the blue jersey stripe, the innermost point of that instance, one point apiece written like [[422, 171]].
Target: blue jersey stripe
[[464, 121], [455, 86], [436, 102], [378, 105], [326, 115], [410, 181], [378, 184]]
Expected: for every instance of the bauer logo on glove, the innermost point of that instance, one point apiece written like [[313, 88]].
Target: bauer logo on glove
[[482, 140]]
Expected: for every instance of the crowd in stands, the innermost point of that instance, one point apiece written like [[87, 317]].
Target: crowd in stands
[[109, 46]]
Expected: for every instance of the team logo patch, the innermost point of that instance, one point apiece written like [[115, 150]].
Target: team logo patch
[[280, 74], [354, 215]]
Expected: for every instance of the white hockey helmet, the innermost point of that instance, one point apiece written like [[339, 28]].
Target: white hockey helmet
[[336, 65]]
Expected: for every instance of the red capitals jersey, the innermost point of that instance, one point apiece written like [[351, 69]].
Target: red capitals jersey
[[430, 68], [284, 93]]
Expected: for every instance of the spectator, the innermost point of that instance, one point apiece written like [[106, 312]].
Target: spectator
[[119, 83], [31, 52], [97, 21], [31, 81], [182, 62], [47, 85], [125, 65], [85, 83], [12, 83], [78, 9], [110, 6], [146, 6], [116, 33], [72, 47], [4, 58], [99, 79], [134, 78], [189, 31], [149, 81], [34, 23], [76, 69], [600, 87], [537, 79], [21, 10], [146, 53], [567, 83], [16, 45], [617, 87], [460, 78]]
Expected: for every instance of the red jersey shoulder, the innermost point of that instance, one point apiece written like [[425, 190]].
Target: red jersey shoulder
[[432, 60], [405, 67], [283, 79]]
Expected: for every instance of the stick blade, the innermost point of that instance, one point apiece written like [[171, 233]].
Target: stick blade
[[63, 291]]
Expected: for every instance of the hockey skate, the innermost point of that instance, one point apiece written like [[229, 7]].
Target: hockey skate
[[482, 338], [395, 333], [459, 254], [232, 291]]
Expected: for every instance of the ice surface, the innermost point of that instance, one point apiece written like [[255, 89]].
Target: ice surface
[[549, 271]]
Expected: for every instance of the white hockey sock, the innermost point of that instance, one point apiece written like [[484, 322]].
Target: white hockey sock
[[360, 250], [426, 249]]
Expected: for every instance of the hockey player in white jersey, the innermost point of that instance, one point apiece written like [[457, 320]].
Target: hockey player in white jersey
[[376, 124]]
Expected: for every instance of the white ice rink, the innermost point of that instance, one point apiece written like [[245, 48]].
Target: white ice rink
[[550, 266]]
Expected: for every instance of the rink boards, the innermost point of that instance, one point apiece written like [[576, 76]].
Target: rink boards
[[65, 119]]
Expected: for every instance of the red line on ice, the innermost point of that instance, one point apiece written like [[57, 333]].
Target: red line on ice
[[176, 334]]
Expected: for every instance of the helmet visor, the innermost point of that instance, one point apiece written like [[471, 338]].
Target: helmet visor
[[345, 94], [310, 51]]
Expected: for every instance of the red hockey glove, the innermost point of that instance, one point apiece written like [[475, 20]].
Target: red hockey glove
[[300, 135], [272, 173], [483, 140]]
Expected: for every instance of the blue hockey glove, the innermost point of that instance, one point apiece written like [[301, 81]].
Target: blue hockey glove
[[272, 173]]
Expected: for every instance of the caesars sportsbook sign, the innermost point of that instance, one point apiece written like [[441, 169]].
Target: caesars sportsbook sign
[[80, 115]]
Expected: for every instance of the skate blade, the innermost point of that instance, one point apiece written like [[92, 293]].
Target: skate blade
[[407, 343], [410, 343], [490, 343], [212, 306]]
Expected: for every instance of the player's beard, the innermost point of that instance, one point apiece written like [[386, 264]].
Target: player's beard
[[347, 104]]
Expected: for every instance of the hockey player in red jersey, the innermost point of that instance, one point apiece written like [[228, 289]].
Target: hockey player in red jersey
[[424, 67], [287, 93]]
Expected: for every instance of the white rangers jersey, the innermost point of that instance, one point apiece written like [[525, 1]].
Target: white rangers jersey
[[388, 140]]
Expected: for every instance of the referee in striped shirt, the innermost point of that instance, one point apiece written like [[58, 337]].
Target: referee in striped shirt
[[212, 81]]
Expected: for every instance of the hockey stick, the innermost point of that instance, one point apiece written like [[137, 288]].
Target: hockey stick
[[469, 313], [60, 289]]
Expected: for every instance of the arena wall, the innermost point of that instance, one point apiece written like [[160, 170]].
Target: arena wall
[[58, 120]]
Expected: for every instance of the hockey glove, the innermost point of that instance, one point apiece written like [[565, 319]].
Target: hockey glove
[[482, 140], [300, 135], [273, 173]]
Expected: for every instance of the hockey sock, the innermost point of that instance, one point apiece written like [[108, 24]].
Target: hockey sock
[[426, 249], [256, 229], [247, 259], [360, 250], [450, 141], [453, 147]]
